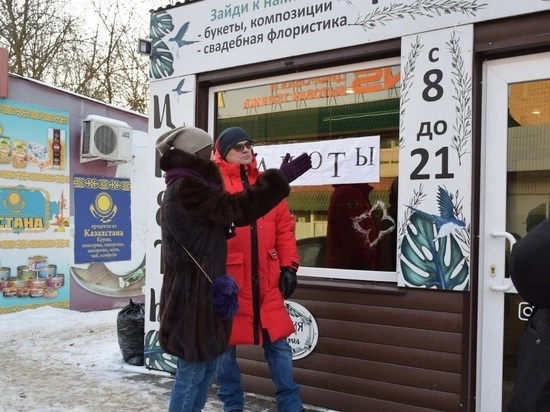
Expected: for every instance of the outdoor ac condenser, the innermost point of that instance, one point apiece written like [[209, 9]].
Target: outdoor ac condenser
[[106, 139]]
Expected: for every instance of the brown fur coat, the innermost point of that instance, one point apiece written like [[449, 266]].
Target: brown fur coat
[[197, 214]]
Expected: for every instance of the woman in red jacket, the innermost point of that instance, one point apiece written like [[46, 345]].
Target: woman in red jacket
[[263, 259]]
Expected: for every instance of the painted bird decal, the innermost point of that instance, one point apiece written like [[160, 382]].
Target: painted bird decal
[[178, 90], [178, 39], [447, 222]]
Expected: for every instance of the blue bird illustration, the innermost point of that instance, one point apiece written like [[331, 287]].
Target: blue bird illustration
[[178, 91], [178, 39], [447, 222]]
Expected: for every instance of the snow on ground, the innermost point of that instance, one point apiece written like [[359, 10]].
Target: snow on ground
[[62, 360]]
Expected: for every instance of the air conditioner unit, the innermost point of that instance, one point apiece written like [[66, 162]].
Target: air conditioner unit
[[106, 139]]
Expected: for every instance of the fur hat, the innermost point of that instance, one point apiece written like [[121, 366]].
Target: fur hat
[[187, 138], [229, 138]]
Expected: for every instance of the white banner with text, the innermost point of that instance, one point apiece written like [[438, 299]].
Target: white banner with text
[[341, 161]]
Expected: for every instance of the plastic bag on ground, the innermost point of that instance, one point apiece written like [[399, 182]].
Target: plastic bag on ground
[[130, 331]]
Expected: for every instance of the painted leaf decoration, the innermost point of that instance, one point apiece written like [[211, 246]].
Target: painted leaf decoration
[[155, 357], [162, 61], [161, 25], [431, 263]]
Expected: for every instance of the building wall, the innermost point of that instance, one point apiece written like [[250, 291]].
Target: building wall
[[379, 348], [38, 94]]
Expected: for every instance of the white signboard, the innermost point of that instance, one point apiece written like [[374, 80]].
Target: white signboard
[[211, 35], [306, 333], [172, 104], [435, 160], [354, 160]]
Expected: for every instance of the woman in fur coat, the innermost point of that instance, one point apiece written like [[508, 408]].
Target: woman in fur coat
[[196, 218]]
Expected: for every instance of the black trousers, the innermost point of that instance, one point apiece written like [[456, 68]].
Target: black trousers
[[531, 392]]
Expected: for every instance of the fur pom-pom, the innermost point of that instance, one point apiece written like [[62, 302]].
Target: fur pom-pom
[[224, 297]]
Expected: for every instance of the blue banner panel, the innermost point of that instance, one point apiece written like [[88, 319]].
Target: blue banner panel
[[103, 229]]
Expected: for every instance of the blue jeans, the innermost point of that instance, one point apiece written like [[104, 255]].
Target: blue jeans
[[279, 360], [193, 381]]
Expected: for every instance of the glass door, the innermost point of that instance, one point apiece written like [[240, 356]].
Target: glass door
[[515, 197]]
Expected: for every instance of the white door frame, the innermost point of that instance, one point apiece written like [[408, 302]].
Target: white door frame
[[497, 75]]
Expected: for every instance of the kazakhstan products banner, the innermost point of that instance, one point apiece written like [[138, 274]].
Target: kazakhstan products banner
[[103, 229]]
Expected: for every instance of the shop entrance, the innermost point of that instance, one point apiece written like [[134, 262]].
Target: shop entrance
[[515, 196]]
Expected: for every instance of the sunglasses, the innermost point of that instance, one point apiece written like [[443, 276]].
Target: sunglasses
[[239, 147]]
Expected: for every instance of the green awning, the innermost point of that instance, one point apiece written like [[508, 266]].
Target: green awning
[[309, 201], [314, 123], [318, 201]]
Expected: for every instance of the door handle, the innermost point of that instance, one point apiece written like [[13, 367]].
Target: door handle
[[507, 236], [512, 240], [502, 288]]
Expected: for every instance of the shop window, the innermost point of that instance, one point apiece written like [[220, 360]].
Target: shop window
[[347, 230]]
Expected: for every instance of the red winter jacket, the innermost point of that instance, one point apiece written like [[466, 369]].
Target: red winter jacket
[[261, 303]]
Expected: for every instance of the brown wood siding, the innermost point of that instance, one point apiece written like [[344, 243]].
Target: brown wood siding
[[377, 350]]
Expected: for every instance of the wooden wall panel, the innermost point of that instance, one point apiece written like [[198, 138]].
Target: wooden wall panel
[[420, 358], [378, 349]]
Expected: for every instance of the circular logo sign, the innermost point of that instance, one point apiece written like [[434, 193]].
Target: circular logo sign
[[306, 333]]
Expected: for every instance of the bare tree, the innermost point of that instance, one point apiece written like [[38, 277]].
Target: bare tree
[[93, 54], [34, 33]]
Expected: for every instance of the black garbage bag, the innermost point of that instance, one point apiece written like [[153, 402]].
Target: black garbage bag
[[130, 330]]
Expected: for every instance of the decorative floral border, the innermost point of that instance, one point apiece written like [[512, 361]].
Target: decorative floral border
[[420, 8], [406, 83], [462, 83]]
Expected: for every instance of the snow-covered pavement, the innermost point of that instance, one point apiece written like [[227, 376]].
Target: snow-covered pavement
[[58, 360]]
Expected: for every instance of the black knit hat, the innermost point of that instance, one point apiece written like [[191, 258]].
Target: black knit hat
[[229, 138]]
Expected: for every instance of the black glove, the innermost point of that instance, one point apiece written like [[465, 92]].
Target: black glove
[[295, 168], [288, 281]]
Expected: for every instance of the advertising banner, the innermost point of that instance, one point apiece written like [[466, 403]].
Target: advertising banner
[[34, 206], [208, 35], [103, 228]]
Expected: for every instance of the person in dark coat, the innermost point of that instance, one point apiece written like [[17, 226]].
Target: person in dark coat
[[264, 259], [349, 247], [529, 270], [196, 217]]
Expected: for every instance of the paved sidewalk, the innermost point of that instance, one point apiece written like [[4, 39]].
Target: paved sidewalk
[[252, 402]]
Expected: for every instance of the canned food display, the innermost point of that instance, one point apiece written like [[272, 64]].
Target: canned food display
[[36, 279], [48, 272], [5, 273], [9, 292], [23, 292], [56, 282], [38, 262], [25, 273]]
